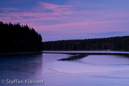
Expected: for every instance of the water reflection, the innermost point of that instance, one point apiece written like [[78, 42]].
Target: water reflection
[[93, 63], [20, 66], [74, 57], [67, 69]]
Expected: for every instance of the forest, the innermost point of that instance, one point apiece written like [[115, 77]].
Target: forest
[[111, 43], [15, 38]]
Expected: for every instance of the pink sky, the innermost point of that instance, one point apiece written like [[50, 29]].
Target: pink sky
[[71, 20]]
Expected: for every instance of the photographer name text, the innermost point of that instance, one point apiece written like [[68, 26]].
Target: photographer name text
[[21, 82]]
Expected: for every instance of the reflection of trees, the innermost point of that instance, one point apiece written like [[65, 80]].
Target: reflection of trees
[[80, 56], [75, 57], [20, 66]]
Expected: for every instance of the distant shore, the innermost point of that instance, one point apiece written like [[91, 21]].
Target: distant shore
[[118, 43], [88, 52]]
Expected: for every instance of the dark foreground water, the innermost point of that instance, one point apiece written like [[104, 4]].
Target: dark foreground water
[[64, 70]]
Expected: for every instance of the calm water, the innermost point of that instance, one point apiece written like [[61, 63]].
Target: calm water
[[89, 70]]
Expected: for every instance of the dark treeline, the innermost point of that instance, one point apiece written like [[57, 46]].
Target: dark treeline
[[112, 43], [16, 38]]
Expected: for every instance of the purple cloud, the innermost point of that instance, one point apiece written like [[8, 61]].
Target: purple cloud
[[68, 18]]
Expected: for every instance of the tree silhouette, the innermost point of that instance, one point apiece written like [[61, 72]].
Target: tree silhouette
[[15, 38], [112, 43]]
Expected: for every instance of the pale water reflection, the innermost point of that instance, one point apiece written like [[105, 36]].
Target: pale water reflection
[[91, 70], [94, 64]]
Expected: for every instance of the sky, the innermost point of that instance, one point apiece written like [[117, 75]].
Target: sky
[[69, 19]]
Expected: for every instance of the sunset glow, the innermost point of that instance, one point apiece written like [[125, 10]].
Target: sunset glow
[[69, 19]]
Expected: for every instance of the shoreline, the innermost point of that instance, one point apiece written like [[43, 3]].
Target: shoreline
[[87, 52], [70, 51], [18, 53]]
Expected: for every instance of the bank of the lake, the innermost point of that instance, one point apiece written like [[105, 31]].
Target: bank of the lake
[[20, 53]]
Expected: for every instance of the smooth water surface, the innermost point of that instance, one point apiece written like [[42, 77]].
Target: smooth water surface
[[89, 70]]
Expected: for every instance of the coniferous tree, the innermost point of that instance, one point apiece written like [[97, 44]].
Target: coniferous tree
[[15, 38], [112, 43]]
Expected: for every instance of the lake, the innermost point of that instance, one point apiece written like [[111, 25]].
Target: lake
[[65, 68]]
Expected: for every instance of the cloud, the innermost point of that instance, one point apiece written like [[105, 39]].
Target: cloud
[[85, 4], [57, 12], [94, 26], [55, 8], [8, 9], [65, 19]]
